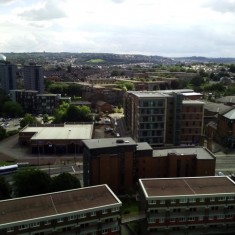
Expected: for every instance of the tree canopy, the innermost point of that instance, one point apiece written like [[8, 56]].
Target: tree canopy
[[5, 189], [12, 109], [28, 119], [31, 182], [65, 181]]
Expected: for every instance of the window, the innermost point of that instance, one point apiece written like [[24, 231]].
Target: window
[[115, 209], [104, 211], [93, 213], [11, 229], [221, 198], [229, 216], [202, 199], [151, 220], [162, 201], [35, 225], [114, 229], [23, 226], [183, 200], [151, 202], [212, 199], [211, 217], [192, 200], [104, 231], [220, 217], [173, 201], [172, 220], [47, 222], [161, 220], [230, 198], [191, 218], [72, 217], [82, 216], [182, 219], [60, 220]]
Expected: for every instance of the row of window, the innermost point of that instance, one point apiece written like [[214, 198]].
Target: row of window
[[60, 220], [191, 218], [191, 200]]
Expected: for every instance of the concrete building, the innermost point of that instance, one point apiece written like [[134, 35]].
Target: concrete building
[[7, 76], [164, 118], [180, 206], [121, 162], [33, 78], [93, 210], [56, 139]]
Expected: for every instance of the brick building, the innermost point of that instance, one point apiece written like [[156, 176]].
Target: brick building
[[180, 206], [93, 210], [121, 162]]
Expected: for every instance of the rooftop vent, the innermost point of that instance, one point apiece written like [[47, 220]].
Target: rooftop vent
[[119, 141]]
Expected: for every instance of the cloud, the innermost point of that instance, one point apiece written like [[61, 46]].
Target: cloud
[[50, 10], [7, 1], [223, 6], [118, 1]]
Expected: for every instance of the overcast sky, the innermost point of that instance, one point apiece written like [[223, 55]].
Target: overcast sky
[[149, 27]]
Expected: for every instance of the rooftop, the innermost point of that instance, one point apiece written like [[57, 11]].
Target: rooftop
[[202, 153], [230, 114], [193, 102], [108, 142], [143, 146], [171, 187], [54, 204], [216, 107], [68, 132]]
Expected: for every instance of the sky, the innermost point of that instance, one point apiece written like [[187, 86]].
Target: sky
[[172, 28]]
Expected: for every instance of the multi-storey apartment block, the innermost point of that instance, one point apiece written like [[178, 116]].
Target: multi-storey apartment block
[[164, 117], [7, 76], [94, 210], [33, 78], [180, 206], [121, 162]]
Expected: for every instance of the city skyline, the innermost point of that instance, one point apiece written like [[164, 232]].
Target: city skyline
[[149, 27]]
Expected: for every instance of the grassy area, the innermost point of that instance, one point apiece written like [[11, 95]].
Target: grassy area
[[6, 163], [96, 61], [129, 207]]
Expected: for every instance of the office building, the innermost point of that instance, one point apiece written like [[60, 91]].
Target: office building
[[7, 76], [33, 78], [164, 118], [180, 206], [94, 210]]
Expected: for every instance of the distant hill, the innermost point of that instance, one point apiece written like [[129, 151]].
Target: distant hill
[[107, 58]]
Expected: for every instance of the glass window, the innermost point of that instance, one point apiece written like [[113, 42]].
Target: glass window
[[11, 229], [152, 202], [93, 213], [162, 201], [104, 211]]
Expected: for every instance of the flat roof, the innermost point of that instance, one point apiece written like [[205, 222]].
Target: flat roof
[[68, 132], [56, 204], [230, 114], [191, 94], [108, 142], [201, 152], [143, 146], [191, 186], [216, 107], [193, 102], [160, 93]]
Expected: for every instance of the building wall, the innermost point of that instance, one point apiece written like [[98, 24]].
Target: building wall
[[7, 77]]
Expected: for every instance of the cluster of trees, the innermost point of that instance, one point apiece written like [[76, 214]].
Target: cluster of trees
[[71, 90], [125, 85], [9, 108], [33, 181], [72, 113]]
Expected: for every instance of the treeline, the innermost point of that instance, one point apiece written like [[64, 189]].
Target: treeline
[[33, 181]]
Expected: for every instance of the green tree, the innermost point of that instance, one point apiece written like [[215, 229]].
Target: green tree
[[31, 182], [65, 181], [61, 112], [3, 133], [5, 189], [12, 109], [232, 68], [28, 119], [197, 81], [45, 118], [74, 90]]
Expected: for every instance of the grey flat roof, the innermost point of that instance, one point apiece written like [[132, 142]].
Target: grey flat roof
[[216, 107], [73, 132], [55, 204], [108, 142], [226, 99], [191, 186], [143, 146], [160, 93], [191, 94], [193, 102], [230, 114], [202, 153]]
